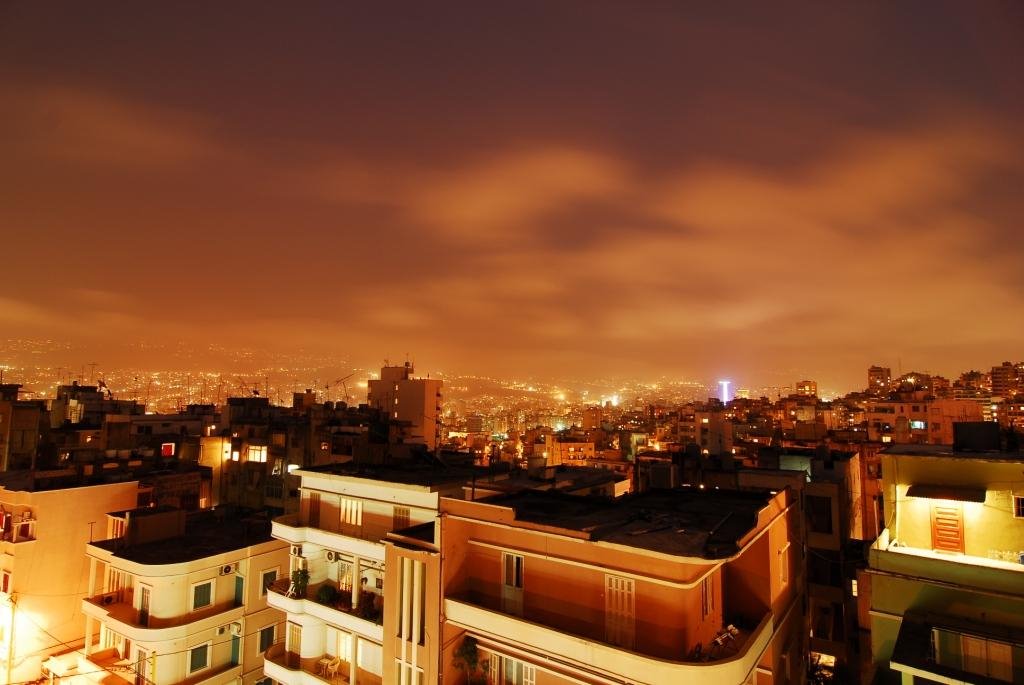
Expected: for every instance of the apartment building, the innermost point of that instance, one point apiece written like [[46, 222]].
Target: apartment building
[[662, 587], [919, 421], [414, 401], [43, 534], [944, 590], [177, 597], [338, 625]]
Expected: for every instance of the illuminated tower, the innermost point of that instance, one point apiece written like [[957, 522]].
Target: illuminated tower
[[725, 390]]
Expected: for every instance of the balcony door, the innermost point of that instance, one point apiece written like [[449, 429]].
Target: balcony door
[[619, 611], [948, 527], [512, 583], [144, 606], [314, 510], [293, 647], [141, 667]]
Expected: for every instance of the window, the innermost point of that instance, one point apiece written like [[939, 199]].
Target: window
[[508, 671], [986, 657], [351, 511], [266, 638], [256, 453], [267, 579], [1018, 506], [199, 658], [5, 581], [202, 595], [512, 573], [167, 449], [400, 519], [412, 599], [512, 583]]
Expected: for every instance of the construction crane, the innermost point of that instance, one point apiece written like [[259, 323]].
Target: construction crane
[[344, 385]]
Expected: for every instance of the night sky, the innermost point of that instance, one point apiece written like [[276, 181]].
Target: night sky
[[570, 189]]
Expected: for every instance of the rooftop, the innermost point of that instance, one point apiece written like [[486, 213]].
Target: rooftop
[[949, 451], [685, 522], [425, 473], [206, 534]]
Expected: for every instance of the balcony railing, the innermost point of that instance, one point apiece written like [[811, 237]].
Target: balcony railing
[[370, 606], [291, 669], [963, 569], [731, 664]]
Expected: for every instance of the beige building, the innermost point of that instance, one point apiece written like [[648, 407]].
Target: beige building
[[665, 587], [944, 591], [416, 401], [177, 598], [339, 626], [43, 576]]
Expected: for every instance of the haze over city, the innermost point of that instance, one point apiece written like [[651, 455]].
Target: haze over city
[[539, 189]]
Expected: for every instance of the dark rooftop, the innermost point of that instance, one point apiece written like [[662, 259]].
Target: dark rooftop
[[206, 534], [684, 521], [427, 473], [949, 451]]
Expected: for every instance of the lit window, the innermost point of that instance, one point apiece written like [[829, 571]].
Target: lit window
[[257, 453], [167, 449], [199, 658], [351, 511], [202, 595]]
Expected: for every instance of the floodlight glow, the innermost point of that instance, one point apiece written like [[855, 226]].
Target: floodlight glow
[[725, 390]]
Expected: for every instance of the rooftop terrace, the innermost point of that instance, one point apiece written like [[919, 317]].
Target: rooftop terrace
[[686, 522]]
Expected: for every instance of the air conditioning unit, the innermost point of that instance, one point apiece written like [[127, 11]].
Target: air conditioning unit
[[228, 569], [296, 550], [332, 555], [236, 628]]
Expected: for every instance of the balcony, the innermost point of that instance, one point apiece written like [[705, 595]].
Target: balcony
[[606, 660], [119, 615], [365, 619], [962, 569], [362, 542], [288, 668], [107, 666]]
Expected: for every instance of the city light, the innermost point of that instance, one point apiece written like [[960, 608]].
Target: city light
[[724, 396]]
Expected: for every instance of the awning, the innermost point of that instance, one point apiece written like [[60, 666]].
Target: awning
[[953, 492]]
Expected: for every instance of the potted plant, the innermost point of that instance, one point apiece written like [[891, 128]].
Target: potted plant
[[300, 580], [327, 595], [467, 657]]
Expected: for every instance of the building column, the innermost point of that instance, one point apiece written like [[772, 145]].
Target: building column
[[352, 654], [89, 620], [91, 588], [357, 581]]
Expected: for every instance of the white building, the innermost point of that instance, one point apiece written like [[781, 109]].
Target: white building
[[416, 401], [177, 597], [43, 576], [338, 536]]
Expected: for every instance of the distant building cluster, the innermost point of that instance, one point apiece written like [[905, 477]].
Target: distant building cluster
[[874, 538]]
